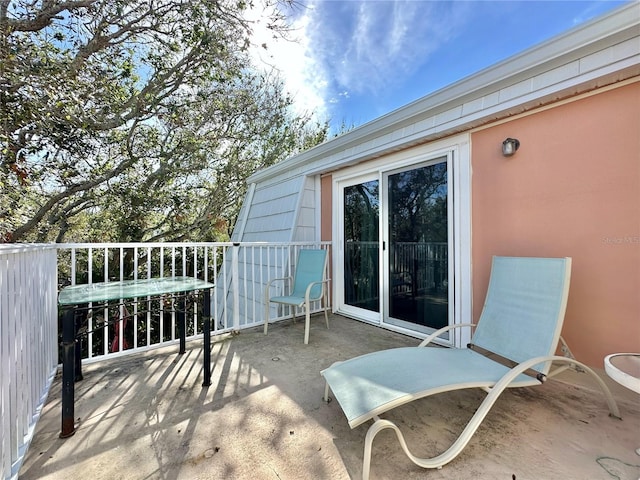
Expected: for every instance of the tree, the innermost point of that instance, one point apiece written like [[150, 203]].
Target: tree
[[133, 120], [196, 161]]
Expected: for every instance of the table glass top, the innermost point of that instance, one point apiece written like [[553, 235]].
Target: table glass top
[[104, 291]]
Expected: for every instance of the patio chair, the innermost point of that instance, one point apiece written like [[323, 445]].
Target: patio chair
[[309, 284], [513, 345]]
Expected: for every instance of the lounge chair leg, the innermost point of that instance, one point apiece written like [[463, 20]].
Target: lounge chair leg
[[326, 387], [326, 317], [381, 424], [307, 321], [614, 411], [266, 316]]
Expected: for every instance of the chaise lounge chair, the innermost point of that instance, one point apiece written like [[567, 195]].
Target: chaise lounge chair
[[513, 345]]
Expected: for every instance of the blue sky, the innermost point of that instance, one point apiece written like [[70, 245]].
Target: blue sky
[[353, 61]]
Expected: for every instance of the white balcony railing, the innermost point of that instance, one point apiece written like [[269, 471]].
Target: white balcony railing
[[30, 277], [239, 272], [28, 345]]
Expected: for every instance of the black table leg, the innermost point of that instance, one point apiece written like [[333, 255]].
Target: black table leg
[[182, 327], [206, 313], [68, 372], [79, 318]]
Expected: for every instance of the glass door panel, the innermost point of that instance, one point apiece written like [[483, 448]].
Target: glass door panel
[[361, 246], [418, 254]]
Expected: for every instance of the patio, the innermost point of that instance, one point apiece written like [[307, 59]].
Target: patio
[[146, 416]]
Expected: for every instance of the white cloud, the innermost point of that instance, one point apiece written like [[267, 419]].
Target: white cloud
[[369, 45], [343, 48], [304, 77]]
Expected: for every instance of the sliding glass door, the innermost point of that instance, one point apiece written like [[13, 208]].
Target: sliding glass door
[[361, 258], [395, 245], [416, 220], [402, 230]]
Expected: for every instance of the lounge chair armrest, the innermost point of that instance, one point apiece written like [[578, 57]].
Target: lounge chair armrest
[[522, 367], [275, 280], [310, 286], [442, 330], [268, 285]]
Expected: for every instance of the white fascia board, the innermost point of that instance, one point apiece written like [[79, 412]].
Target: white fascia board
[[241, 222], [420, 117]]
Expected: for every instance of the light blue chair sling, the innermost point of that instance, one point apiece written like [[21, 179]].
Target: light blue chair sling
[[309, 285], [513, 345]]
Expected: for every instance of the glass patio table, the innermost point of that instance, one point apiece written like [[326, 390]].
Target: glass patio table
[[72, 297]]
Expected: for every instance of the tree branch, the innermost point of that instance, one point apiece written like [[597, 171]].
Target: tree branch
[[42, 18]]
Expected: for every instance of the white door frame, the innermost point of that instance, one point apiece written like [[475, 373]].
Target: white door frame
[[458, 148], [338, 256]]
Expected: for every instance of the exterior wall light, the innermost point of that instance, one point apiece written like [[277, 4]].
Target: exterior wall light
[[509, 146]]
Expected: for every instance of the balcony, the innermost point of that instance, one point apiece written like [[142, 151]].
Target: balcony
[[142, 412]]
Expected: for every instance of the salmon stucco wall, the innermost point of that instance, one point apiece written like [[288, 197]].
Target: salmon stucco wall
[[572, 189]]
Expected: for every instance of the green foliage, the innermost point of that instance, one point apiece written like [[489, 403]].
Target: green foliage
[[134, 120], [419, 199]]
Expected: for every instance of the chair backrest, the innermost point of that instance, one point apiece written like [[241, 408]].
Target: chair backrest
[[310, 268], [524, 308]]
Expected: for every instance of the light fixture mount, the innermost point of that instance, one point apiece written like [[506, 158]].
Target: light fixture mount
[[509, 146]]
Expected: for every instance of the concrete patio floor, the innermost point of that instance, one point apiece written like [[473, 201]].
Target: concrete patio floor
[[146, 416]]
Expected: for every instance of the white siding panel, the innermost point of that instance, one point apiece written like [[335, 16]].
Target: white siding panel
[[305, 230], [271, 236], [409, 130], [305, 235], [610, 55], [627, 49], [270, 223], [473, 106], [449, 115], [282, 211], [398, 134], [514, 91], [308, 199], [307, 218], [596, 60], [267, 193], [425, 124], [272, 213], [556, 75], [491, 100], [238, 229]]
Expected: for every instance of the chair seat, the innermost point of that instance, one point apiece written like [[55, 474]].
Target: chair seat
[[372, 384], [289, 300]]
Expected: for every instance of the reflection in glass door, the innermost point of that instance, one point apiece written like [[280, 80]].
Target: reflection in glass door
[[417, 232], [361, 246]]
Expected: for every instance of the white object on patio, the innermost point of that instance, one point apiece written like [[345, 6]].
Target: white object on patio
[[624, 368]]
